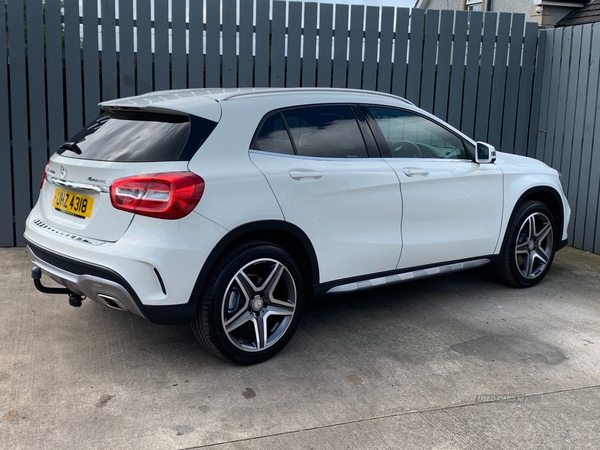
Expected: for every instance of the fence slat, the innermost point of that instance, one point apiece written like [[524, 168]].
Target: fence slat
[[371, 40], [545, 93], [213, 57], [91, 61], [560, 107], [400, 52], [499, 81], [429, 60], [355, 60], [144, 47], [472, 73], [161, 45], [309, 49], [571, 108], [246, 37], [525, 99], [384, 75], [126, 58], [484, 87], [109, 51], [324, 65], [54, 75], [580, 213], [278, 45], [553, 96], [229, 44], [37, 94], [292, 78], [340, 58], [178, 50], [595, 169], [7, 237], [196, 43], [457, 77], [573, 179], [415, 56], [19, 116], [591, 225], [73, 69], [511, 90], [261, 68], [442, 84]]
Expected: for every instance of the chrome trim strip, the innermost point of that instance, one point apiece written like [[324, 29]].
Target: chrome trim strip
[[66, 235], [414, 275], [76, 185], [320, 158]]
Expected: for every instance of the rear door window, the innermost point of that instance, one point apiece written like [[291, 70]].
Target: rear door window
[[326, 131], [139, 137]]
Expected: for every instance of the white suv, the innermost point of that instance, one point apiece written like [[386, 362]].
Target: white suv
[[229, 208]]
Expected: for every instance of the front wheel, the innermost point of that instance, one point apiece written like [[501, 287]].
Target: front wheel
[[251, 304], [529, 245]]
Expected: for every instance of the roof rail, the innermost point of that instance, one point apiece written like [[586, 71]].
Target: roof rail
[[263, 91]]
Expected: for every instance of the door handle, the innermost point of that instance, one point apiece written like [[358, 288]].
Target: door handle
[[413, 172], [301, 174]]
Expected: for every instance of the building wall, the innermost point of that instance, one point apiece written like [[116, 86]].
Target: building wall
[[445, 4], [514, 6], [547, 18]]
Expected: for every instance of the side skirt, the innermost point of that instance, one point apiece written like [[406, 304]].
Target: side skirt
[[376, 280]]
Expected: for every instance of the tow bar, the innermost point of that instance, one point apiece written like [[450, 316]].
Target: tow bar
[[36, 274]]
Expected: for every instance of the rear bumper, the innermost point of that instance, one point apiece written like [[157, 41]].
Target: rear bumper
[[150, 271], [105, 286], [96, 283]]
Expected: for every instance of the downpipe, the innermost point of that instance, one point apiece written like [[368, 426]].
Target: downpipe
[[74, 299]]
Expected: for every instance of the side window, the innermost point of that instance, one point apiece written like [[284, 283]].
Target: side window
[[326, 131], [411, 136], [273, 137]]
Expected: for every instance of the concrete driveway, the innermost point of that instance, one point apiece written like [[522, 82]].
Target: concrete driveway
[[451, 362]]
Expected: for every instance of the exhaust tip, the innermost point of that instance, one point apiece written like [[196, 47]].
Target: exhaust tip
[[111, 302]]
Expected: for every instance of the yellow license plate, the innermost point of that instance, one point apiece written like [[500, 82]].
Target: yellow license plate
[[75, 204]]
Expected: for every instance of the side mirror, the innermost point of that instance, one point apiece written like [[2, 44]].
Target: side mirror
[[485, 153]]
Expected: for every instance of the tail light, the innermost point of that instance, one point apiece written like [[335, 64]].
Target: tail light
[[163, 195], [44, 176]]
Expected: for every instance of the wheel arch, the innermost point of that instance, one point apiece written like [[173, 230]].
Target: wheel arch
[[283, 234], [549, 197]]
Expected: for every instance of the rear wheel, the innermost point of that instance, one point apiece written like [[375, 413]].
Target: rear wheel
[[529, 244], [251, 304]]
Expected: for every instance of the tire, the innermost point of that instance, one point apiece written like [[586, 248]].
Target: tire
[[251, 304], [529, 245]]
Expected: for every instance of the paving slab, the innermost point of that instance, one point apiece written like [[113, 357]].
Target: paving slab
[[450, 362]]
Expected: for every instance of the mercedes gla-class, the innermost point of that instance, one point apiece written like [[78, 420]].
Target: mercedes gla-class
[[230, 208]]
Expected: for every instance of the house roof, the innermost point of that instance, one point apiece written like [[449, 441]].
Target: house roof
[[590, 13]]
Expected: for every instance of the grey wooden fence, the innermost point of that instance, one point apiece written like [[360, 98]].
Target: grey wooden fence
[[569, 124], [476, 71]]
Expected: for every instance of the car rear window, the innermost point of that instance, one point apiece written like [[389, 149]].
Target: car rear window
[[133, 136]]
